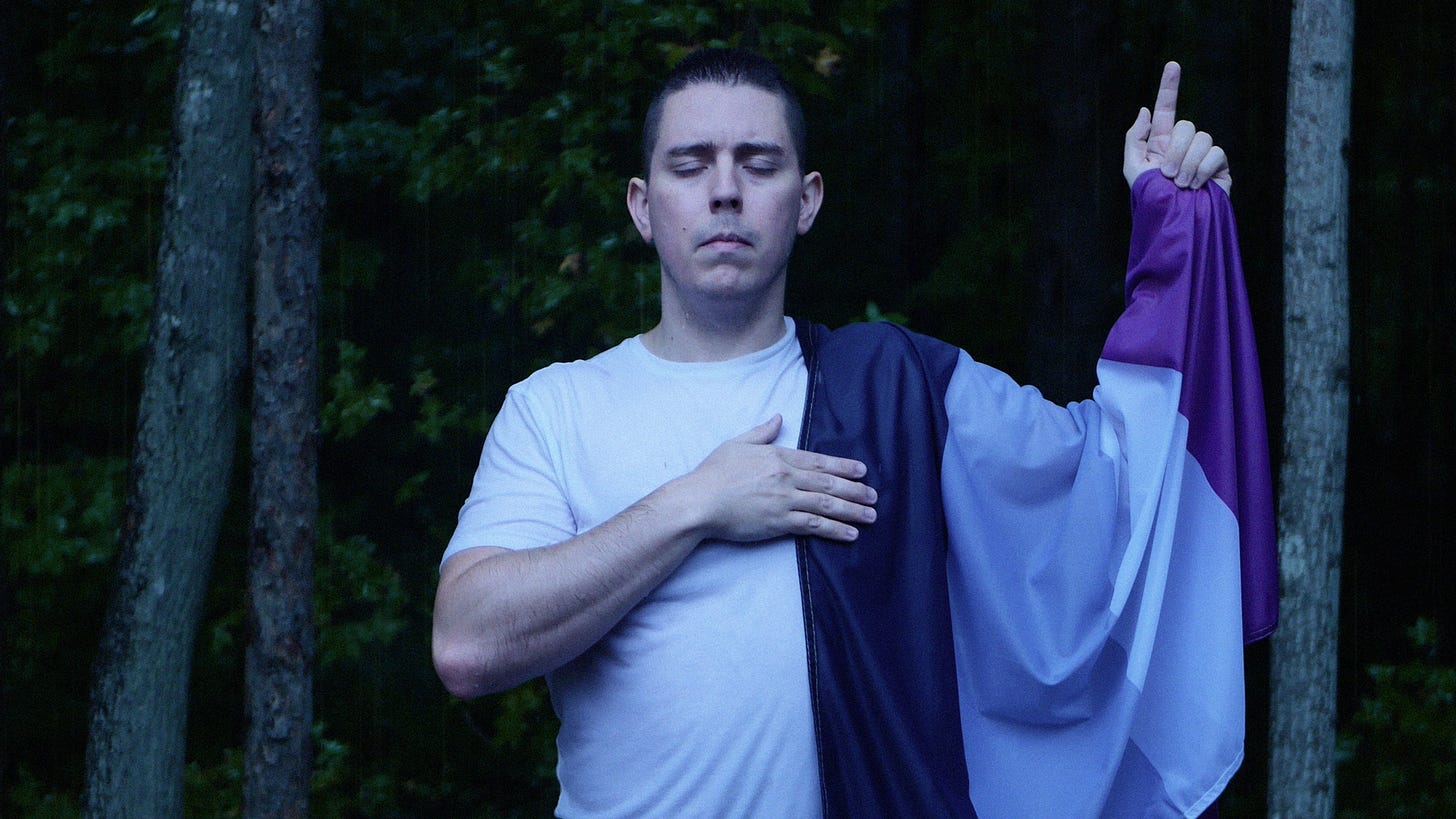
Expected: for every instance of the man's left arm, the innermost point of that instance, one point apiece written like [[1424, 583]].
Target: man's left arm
[[1109, 558]]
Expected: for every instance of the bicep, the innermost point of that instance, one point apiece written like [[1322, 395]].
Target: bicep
[[516, 500]]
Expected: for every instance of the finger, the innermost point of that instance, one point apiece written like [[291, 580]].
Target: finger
[[828, 506], [826, 484], [1188, 169], [1225, 180], [826, 517], [806, 523], [1214, 163], [1135, 143], [1165, 110], [829, 464], [1178, 142], [1135, 147], [764, 433]]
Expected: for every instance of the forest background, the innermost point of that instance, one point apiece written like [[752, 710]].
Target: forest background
[[474, 161]]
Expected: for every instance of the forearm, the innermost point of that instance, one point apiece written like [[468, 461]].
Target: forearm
[[503, 617]]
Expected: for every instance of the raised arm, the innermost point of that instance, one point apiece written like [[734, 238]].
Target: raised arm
[[504, 616], [1158, 139]]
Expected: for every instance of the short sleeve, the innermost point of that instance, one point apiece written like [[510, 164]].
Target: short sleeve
[[516, 500]]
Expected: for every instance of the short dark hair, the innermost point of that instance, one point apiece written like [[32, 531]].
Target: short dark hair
[[725, 66]]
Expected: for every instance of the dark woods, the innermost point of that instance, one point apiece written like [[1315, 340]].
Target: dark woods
[[474, 159]]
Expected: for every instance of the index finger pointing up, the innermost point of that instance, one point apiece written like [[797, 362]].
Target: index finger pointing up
[[1165, 110]]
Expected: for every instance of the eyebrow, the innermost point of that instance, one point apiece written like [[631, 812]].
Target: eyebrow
[[740, 151]]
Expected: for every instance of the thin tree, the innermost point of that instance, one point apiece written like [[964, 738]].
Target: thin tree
[[288, 221], [186, 428], [1316, 414]]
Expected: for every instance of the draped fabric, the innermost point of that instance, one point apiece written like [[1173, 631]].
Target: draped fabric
[[1047, 619]]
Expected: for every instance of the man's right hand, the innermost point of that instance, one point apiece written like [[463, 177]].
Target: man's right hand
[[502, 617], [751, 490]]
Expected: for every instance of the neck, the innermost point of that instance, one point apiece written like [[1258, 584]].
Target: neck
[[718, 333]]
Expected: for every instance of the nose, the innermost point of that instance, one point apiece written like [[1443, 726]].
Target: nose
[[725, 193]]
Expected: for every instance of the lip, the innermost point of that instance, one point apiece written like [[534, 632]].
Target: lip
[[726, 241]]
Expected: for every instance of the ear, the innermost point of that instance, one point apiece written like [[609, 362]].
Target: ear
[[637, 206], [810, 197]]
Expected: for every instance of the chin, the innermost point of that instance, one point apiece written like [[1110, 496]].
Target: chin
[[739, 288], [725, 284]]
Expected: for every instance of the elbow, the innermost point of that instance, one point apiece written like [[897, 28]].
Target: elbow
[[465, 669]]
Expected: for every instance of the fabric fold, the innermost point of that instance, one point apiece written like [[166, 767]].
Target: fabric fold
[[1067, 588]]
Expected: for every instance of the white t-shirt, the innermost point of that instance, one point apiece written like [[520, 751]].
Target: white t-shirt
[[697, 702]]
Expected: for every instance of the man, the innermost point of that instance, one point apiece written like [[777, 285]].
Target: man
[[770, 570]]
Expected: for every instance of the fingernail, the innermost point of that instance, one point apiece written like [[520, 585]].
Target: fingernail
[[1184, 180]]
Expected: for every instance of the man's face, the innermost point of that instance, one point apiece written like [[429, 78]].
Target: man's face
[[726, 198]]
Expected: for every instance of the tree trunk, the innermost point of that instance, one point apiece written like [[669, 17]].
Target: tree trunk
[[1316, 410], [185, 429], [1078, 286], [288, 213]]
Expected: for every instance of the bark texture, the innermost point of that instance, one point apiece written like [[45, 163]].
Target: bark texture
[[185, 430], [1316, 414], [288, 214]]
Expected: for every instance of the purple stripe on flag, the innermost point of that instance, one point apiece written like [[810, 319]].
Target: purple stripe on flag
[[1187, 309]]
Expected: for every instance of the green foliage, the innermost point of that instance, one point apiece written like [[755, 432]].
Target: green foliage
[[216, 789], [337, 789], [476, 160], [872, 312], [79, 237], [475, 157], [59, 516], [525, 728], [1398, 755], [359, 601], [84, 165], [28, 797], [349, 405], [84, 186], [58, 526]]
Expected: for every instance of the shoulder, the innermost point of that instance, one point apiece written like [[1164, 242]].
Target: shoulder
[[567, 377], [875, 342], [877, 333]]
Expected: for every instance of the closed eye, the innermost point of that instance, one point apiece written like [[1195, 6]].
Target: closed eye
[[761, 159]]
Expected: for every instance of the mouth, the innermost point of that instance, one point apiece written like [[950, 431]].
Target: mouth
[[726, 240]]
